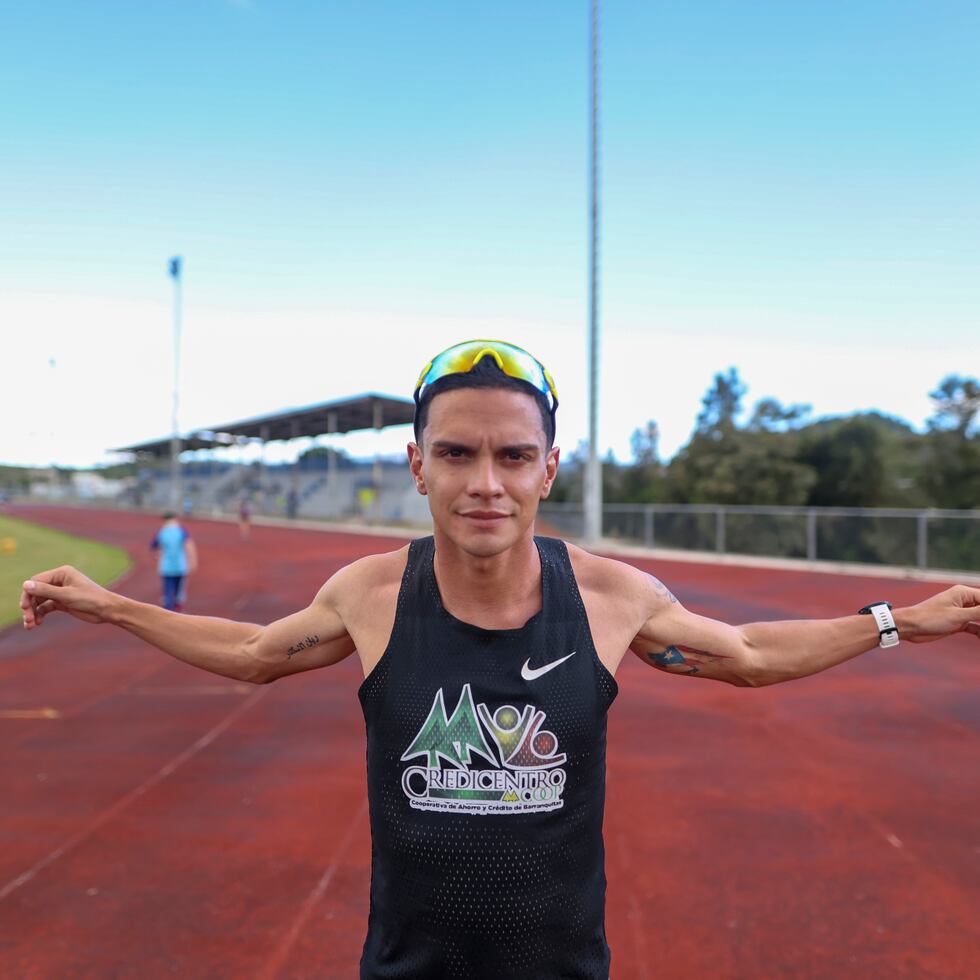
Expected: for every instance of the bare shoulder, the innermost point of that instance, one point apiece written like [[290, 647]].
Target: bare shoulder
[[366, 580], [619, 598], [611, 580], [365, 595], [621, 601]]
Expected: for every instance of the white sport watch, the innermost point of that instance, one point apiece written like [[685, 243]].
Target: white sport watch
[[887, 630]]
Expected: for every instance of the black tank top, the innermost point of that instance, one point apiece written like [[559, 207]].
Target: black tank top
[[486, 753]]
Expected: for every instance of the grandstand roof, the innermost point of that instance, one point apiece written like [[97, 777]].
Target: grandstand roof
[[369, 411], [196, 440]]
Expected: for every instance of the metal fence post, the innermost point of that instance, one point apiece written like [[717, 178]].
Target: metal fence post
[[648, 526], [922, 539], [720, 530], [811, 535]]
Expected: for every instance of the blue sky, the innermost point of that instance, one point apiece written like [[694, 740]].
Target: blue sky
[[789, 188]]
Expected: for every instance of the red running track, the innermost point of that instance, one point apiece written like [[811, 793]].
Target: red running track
[[173, 823]]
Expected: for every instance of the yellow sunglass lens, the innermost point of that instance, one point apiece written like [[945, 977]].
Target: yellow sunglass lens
[[513, 361]]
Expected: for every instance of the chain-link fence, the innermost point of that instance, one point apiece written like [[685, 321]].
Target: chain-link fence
[[938, 539]]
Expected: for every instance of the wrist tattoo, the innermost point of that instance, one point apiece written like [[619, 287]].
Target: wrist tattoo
[[683, 660], [309, 642]]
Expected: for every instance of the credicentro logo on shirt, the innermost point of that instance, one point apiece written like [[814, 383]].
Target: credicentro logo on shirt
[[525, 774]]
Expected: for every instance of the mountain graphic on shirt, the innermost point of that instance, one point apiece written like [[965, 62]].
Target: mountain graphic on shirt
[[454, 739]]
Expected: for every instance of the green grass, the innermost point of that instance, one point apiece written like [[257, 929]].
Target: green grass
[[40, 548]]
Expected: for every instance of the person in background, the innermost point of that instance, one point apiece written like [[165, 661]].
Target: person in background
[[244, 514], [178, 559]]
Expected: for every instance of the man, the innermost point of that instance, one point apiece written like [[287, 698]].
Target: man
[[178, 559], [489, 658]]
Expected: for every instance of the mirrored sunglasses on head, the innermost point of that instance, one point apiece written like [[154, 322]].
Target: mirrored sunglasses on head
[[512, 360]]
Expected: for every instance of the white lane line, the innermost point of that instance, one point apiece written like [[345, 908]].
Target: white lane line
[[132, 796], [278, 958]]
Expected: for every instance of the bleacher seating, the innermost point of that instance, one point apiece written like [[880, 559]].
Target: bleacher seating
[[214, 489]]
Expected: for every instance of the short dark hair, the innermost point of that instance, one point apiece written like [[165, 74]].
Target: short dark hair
[[485, 374], [169, 515]]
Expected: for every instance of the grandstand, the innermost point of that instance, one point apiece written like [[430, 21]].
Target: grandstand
[[327, 484]]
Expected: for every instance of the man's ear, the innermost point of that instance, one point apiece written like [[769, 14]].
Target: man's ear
[[551, 470], [415, 465]]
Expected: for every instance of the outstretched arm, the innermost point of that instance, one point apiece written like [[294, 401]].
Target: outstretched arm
[[680, 642], [313, 637]]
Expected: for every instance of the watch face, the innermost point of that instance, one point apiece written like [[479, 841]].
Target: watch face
[[866, 610]]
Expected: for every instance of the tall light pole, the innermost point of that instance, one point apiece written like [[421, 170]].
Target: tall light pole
[[592, 483], [175, 489]]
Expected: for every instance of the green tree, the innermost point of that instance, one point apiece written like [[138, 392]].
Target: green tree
[[741, 468], [643, 481], [950, 472], [645, 443], [957, 401], [865, 460], [770, 416], [567, 487], [723, 464], [721, 406], [322, 452]]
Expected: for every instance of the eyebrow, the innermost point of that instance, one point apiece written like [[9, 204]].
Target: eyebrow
[[448, 444], [523, 447]]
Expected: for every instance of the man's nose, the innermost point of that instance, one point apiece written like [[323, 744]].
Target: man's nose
[[484, 481]]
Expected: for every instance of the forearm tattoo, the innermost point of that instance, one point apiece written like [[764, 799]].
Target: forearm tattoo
[[661, 589], [308, 643], [683, 660]]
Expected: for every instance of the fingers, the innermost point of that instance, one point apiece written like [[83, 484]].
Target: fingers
[[29, 615], [62, 589], [54, 576], [38, 588], [965, 596], [43, 608], [40, 610], [27, 608], [47, 585], [34, 616], [973, 628]]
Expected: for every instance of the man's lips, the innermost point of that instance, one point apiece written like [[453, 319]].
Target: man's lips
[[484, 515]]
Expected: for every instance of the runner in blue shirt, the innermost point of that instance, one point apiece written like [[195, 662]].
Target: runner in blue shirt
[[178, 558]]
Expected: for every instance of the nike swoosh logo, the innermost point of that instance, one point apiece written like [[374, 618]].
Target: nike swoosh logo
[[530, 673]]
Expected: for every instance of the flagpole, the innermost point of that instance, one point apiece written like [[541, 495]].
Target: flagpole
[[175, 488]]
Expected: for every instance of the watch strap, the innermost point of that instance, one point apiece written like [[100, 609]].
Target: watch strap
[[885, 621]]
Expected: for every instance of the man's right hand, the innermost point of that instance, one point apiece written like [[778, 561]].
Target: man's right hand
[[63, 589]]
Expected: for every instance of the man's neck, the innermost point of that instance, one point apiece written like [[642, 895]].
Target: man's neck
[[500, 591]]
